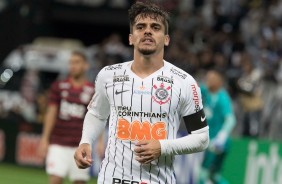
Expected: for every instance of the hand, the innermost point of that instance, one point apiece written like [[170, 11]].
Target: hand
[[83, 157], [43, 148], [147, 151], [218, 143]]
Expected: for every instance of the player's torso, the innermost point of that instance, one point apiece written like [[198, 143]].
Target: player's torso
[[72, 106], [73, 100], [141, 109], [150, 105]]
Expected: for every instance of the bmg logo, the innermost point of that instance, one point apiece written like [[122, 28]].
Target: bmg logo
[[123, 181]]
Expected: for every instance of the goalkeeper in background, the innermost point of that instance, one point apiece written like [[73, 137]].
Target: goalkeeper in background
[[221, 120]]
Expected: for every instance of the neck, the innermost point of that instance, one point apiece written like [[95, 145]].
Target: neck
[[144, 66], [214, 89], [77, 81]]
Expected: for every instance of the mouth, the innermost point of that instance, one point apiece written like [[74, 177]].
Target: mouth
[[147, 40]]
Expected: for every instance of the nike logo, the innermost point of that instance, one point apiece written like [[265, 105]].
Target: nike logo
[[119, 92], [203, 119]]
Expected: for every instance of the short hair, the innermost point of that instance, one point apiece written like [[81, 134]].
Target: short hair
[[148, 9], [80, 54]]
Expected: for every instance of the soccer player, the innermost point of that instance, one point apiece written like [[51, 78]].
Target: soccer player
[[146, 99], [221, 120], [68, 100]]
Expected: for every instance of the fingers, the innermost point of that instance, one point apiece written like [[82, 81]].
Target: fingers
[[83, 157], [140, 143], [145, 159], [144, 151]]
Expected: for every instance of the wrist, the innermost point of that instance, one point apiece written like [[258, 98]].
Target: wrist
[[163, 144]]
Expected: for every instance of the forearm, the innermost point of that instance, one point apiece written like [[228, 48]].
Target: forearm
[[92, 128], [49, 122], [197, 141], [229, 123]]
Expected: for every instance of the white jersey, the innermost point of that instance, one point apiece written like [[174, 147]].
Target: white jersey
[[149, 108]]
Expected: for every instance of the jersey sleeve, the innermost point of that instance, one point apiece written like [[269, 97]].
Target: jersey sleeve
[[226, 105], [192, 108], [99, 105], [192, 98], [54, 94]]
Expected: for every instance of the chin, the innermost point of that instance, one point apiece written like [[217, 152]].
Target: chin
[[146, 51]]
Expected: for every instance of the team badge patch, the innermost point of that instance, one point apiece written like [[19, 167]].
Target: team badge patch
[[161, 94]]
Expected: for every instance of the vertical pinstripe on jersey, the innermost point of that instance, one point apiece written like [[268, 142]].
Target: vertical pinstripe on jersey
[[151, 110], [141, 121], [121, 96], [109, 143], [114, 100], [174, 137], [131, 100]]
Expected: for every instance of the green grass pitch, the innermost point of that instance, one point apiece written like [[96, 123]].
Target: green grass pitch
[[13, 174]]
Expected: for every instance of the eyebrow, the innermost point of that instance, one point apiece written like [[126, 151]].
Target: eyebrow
[[152, 24]]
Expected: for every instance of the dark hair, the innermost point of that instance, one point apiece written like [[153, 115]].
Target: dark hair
[[148, 9], [80, 54]]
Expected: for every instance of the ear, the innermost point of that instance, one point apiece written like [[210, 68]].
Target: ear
[[167, 39], [130, 39]]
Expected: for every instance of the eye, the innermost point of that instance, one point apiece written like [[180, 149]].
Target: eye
[[139, 27], [156, 27]]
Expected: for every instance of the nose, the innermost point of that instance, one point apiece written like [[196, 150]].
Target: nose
[[148, 31]]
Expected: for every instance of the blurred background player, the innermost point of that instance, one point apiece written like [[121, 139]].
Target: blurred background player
[[62, 129], [221, 120]]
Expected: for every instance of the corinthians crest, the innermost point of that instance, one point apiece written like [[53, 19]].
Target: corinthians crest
[[161, 94]]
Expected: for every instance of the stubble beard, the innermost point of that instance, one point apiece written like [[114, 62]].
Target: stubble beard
[[146, 51]]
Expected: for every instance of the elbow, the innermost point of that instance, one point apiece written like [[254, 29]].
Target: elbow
[[205, 141]]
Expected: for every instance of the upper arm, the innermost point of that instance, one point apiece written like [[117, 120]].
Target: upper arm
[[99, 104], [192, 109], [52, 111]]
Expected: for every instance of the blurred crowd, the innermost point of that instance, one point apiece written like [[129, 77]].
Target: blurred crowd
[[241, 38]]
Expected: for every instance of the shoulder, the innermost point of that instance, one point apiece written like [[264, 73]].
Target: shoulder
[[61, 84], [109, 71], [224, 95], [179, 74], [89, 84], [115, 67]]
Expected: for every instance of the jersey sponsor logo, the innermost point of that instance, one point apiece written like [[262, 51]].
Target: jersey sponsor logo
[[141, 91], [195, 98], [165, 79], [203, 118], [71, 110], [121, 78], [140, 131], [114, 67], [121, 91], [161, 94], [64, 94], [126, 111], [64, 85], [177, 72], [124, 181]]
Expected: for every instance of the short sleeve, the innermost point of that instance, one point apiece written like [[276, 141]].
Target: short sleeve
[[192, 98], [99, 105], [226, 104], [54, 94]]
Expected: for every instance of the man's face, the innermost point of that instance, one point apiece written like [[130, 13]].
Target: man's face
[[213, 80], [77, 66], [148, 35]]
